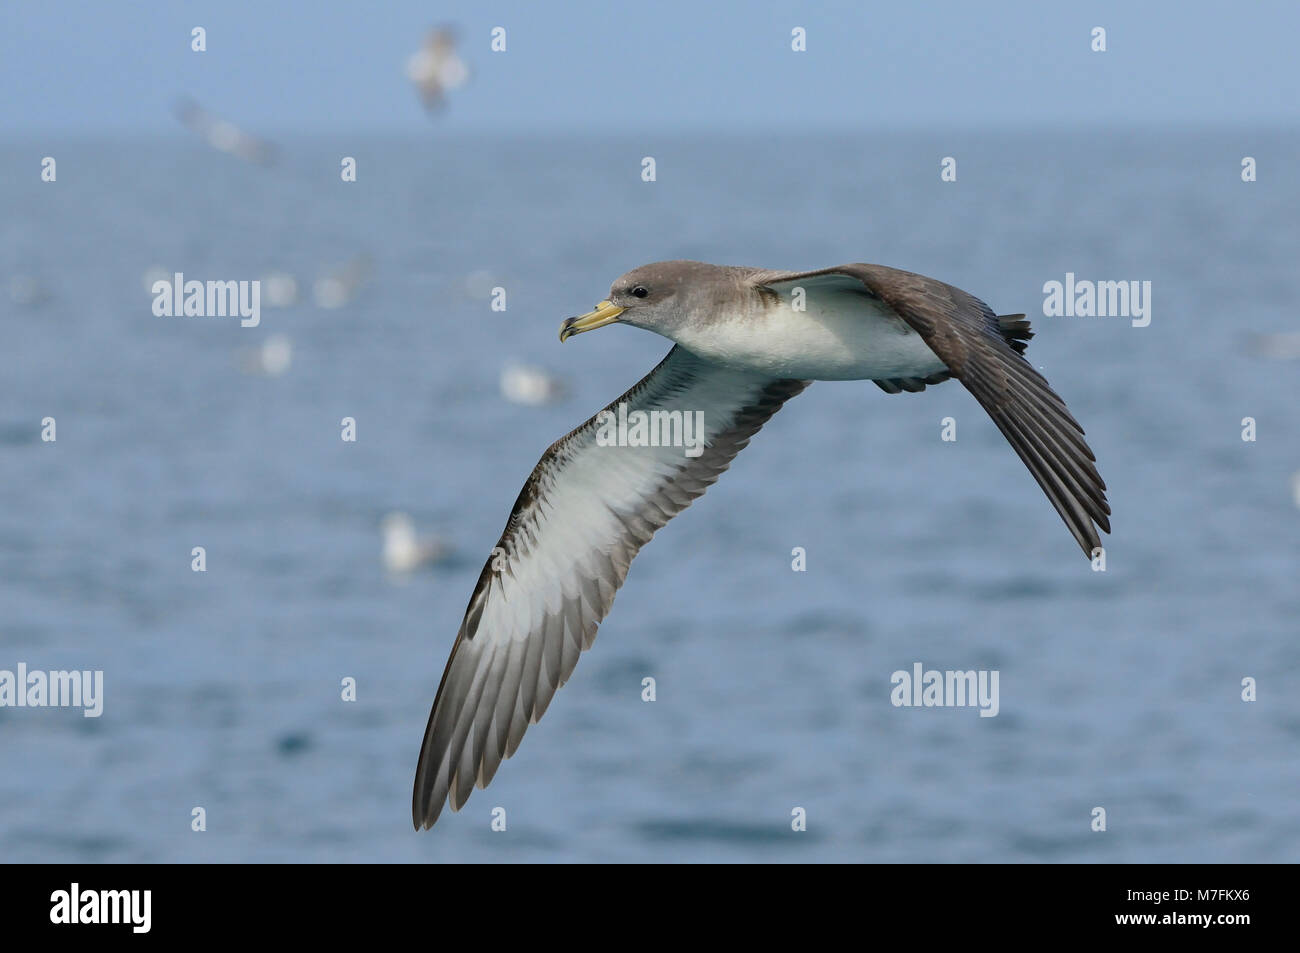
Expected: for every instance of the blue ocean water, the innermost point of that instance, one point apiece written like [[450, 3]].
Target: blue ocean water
[[1119, 690]]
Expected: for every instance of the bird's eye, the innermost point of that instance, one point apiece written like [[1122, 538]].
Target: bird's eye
[[639, 292]]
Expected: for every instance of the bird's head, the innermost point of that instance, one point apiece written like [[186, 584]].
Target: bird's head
[[657, 297]]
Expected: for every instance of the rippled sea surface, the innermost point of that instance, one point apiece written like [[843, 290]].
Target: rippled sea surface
[[1119, 690]]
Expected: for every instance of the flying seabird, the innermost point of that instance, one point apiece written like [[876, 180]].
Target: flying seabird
[[223, 135], [745, 341], [436, 67]]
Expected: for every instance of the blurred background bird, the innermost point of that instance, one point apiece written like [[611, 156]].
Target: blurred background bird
[[269, 359], [1280, 346], [531, 385], [223, 135], [436, 68], [404, 551]]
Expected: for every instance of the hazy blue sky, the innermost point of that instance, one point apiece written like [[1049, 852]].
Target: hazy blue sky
[[586, 64]]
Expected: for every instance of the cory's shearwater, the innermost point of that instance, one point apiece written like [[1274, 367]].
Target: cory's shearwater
[[745, 342]]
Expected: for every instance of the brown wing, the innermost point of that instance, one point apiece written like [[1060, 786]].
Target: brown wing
[[984, 351]]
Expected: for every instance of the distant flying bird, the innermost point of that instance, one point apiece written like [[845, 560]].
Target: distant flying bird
[[436, 68], [745, 341], [1282, 346], [224, 136]]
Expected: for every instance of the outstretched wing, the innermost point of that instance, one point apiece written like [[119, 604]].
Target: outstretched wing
[[586, 510], [983, 351]]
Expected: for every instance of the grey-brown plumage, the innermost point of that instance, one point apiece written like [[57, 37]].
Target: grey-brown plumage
[[493, 688], [747, 340]]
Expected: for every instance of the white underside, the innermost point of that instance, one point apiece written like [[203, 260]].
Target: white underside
[[838, 338]]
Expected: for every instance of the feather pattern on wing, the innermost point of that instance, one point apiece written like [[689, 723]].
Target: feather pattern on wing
[[580, 519]]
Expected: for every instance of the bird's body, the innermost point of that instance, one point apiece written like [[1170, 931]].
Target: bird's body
[[837, 338], [746, 341]]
